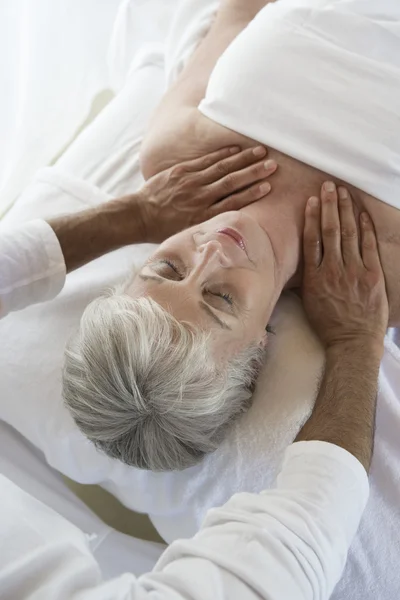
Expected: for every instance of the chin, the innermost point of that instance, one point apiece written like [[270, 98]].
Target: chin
[[237, 218]]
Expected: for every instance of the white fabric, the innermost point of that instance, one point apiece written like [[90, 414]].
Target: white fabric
[[25, 466], [32, 267], [140, 27], [190, 24], [342, 56], [251, 456], [290, 542], [52, 65]]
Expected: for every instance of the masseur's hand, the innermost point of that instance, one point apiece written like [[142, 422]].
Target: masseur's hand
[[197, 190], [344, 291]]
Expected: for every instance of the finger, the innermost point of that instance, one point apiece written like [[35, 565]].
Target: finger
[[369, 245], [233, 163], [204, 162], [239, 181], [330, 223], [348, 228], [312, 246], [241, 199]]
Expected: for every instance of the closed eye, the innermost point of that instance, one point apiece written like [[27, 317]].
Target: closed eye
[[225, 296], [222, 301], [166, 268]]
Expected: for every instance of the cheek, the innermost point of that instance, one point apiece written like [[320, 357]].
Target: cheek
[[258, 294], [256, 314]]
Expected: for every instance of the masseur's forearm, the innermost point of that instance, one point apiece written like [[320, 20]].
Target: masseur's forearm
[[344, 413], [86, 235]]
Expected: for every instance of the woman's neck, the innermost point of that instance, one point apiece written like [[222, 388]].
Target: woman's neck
[[282, 218]]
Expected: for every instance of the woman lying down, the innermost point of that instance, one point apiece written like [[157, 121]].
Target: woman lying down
[[161, 367]]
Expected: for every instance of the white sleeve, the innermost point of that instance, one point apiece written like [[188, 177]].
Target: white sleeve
[[290, 542], [32, 267]]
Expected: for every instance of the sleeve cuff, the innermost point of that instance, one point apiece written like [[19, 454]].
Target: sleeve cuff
[[56, 268], [328, 451], [329, 478], [32, 266]]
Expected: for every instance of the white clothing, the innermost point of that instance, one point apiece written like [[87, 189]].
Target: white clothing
[[320, 81], [25, 466], [106, 156], [290, 542], [32, 266]]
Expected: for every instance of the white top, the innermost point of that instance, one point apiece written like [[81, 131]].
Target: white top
[[320, 81], [32, 267], [290, 542]]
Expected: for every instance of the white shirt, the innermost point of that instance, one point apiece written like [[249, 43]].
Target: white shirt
[[32, 267], [289, 543]]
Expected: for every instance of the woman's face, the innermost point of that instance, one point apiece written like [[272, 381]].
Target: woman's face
[[218, 276]]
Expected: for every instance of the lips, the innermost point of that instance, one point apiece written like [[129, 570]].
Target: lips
[[235, 236]]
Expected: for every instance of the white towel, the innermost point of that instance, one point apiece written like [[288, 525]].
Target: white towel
[[342, 56], [30, 385]]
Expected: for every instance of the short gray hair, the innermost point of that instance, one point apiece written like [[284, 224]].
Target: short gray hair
[[145, 388]]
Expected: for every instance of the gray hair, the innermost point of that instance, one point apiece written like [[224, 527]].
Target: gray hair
[[145, 389]]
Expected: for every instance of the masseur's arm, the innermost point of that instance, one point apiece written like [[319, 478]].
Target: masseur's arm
[[34, 258], [345, 298]]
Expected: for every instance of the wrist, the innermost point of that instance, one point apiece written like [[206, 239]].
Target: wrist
[[125, 218], [363, 348]]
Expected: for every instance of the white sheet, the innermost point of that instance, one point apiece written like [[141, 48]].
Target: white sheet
[[52, 64], [250, 457], [115, 552]]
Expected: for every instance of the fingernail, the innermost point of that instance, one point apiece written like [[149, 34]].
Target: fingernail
[[265, 188], [343, 194], [234, 149], [259, 151], [313, 201], [364, 218], [329, 186], [269, 164]]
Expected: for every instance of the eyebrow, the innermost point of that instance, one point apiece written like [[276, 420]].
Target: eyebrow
[[203, 305], [152, 278], [212, 314]]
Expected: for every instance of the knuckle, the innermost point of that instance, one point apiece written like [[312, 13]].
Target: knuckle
[[369, 244], [352, 274], [313, 241], [372, 279], [349, 233], [332, 273], [330, 231], [229, 183], [312, 247], [178, 171], [222, 168], [208, 161]]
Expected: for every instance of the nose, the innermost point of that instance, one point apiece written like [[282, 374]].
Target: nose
[[209, 256]]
